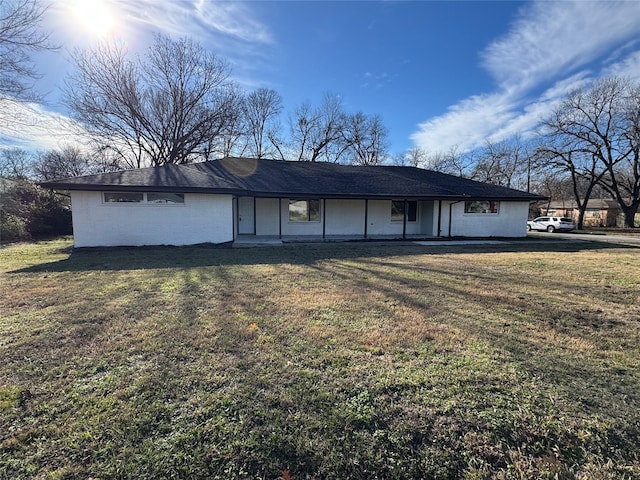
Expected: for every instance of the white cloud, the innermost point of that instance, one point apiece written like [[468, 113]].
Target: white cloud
[[628, 67], [234, 19], [550, 47], [29, 126], [466, 124], [528, 114], [227, 26], [555, 38], [224, 27], [205, 20]]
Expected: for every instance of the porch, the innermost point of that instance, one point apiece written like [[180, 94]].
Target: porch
[[333, 220], [248, 241]]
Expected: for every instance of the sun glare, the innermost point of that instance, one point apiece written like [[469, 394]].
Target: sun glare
[[93, 16]]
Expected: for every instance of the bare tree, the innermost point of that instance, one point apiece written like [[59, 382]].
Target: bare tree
[[582, 170], [164, 107], [417, 156], [261, 112], [232, 139], [600, 126], [19, 37], [559, 153], [505, 163], [68, 161], [365, 139], [304, 121], [554, 184], [452, 162], [15, 163], [316, 133], [414, 157]]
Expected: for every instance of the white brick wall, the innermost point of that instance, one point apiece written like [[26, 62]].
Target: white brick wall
[[202, 218]]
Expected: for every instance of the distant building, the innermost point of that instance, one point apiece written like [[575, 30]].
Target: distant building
[[600, 212]]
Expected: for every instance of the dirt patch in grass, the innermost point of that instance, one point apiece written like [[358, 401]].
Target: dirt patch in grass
[[327, 361]]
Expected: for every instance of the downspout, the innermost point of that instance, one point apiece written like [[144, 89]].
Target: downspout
[[451, 214], [439, 232]]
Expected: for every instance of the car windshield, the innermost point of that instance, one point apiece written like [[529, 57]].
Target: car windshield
[[566, 220]]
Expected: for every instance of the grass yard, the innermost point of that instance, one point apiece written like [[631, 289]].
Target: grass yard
[[337, 361]]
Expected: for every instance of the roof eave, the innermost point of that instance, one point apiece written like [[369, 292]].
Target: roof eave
[[139, 188], [386, 196], [282, 194]]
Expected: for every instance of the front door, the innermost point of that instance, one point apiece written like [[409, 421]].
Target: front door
[[246, 216]]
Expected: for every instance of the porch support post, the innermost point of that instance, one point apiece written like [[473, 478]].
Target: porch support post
[[324, 218], [439, 218], [404, 220], [235, 217], [366, 216], [255, 232], [280, 218]]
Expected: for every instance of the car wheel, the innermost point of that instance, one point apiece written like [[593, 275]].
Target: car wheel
[[550, 229], [529, 228]]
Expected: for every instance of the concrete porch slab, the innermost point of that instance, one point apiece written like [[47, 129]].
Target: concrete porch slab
[[461, 242]]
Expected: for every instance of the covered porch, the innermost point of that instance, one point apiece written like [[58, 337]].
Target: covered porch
[[334, 219]]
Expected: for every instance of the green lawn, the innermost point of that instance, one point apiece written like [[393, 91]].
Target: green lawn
[[342, 361]]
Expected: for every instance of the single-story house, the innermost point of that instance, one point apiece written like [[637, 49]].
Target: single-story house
[[223, 200], [600, 212]]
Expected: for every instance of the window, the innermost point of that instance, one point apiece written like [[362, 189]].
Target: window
[[146, 198], [165, 198], [397, 210], [304, 210], [481, 206], [123, 197]]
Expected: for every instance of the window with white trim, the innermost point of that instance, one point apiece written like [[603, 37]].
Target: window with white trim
[[123, 197], [482, 206], [165, 198], [304, 210], [398, 207], [151, 198]]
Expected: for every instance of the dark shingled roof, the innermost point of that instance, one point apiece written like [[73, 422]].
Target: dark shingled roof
[[274, 178]]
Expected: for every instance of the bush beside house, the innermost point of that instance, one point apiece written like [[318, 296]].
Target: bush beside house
[[30, 212]]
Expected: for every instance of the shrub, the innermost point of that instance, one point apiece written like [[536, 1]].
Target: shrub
[[29, 211], [49, 215], [12, 228]]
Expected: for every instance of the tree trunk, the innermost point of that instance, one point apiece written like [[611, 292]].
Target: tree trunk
[[630, 215], [581, 211]]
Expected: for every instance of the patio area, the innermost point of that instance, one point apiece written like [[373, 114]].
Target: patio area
[[248, 241]]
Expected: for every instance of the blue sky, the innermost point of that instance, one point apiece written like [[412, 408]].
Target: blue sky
[[440, 74]]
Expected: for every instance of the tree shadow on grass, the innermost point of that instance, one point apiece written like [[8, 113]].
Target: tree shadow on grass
[[195, 357], [561, 349], [161, 257]]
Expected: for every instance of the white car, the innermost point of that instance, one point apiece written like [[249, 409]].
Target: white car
[[551, 224]]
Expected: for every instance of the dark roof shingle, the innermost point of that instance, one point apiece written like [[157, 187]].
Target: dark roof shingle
[[274, 178]]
